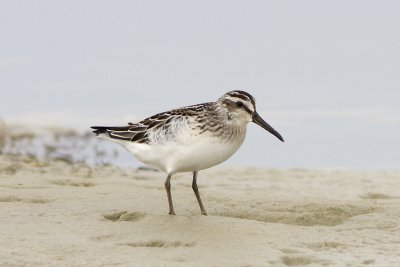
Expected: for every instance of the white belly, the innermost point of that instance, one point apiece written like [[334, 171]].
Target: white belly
[[200, 153]]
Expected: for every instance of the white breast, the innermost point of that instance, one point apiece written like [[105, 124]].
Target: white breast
[[191, 154]]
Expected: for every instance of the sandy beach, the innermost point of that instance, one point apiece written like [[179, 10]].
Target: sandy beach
[[324, 76], [54, 213]]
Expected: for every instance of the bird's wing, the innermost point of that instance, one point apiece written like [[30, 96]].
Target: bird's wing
[[156, 129], [160, 128]]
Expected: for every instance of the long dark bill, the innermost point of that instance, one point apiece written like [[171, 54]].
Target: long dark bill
[[258, 120]]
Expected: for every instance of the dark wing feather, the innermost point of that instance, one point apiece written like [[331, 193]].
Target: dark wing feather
[[139, 132], [132, 132]]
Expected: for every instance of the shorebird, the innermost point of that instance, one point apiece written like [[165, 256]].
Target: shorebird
[[191, 138]]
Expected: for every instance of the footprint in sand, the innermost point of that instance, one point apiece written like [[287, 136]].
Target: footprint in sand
[[124, 216], [290, 251], [297, 260], [294, 257], [25, 200], [158, 244], [76, 183], [327, 245], [376, 196], [304, 215]]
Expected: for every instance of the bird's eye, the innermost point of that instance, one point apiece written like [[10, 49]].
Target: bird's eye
[[239, 104]]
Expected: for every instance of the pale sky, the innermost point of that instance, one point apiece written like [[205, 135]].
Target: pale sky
[[338, 61]]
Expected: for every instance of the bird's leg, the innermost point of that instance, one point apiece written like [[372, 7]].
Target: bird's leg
[[168, 188], [196, 192]]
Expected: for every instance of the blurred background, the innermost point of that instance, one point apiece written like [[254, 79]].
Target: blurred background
[[325, 74]]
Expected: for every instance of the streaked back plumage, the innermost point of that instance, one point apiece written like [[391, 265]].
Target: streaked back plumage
[[204, 118]]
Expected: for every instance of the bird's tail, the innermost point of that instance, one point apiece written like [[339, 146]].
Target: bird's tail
[[98, 130], [105, 130]]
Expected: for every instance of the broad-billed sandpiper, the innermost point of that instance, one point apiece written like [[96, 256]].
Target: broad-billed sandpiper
[[189, 139]]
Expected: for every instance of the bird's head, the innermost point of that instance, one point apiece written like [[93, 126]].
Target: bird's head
[[240, 107]]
